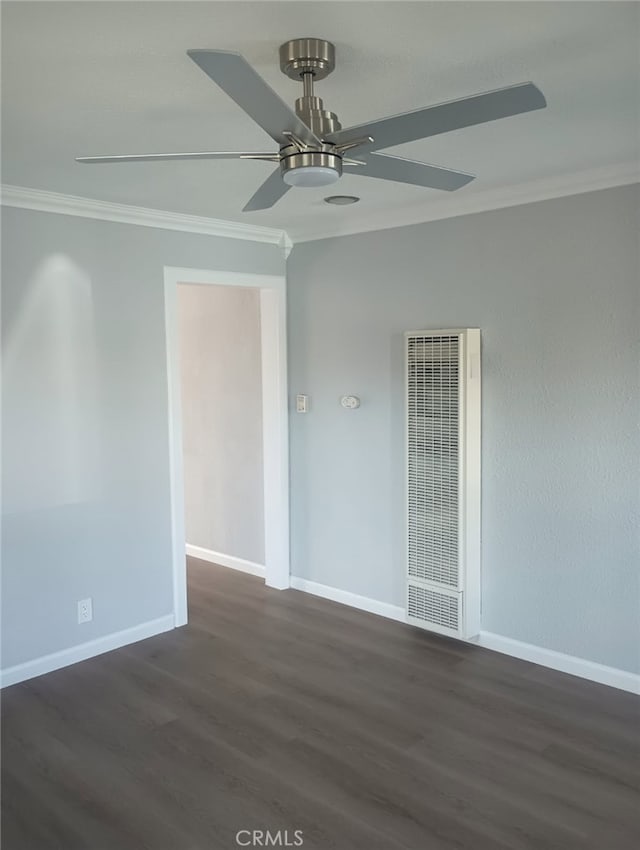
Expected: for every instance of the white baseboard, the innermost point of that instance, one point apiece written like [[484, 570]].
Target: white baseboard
[[225, 560], [611, 676], [591, 670], [373, 606], [56, 660]]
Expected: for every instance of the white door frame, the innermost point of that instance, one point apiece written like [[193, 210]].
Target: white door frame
[[275, 425]]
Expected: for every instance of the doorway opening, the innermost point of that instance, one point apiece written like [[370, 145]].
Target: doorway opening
[[266, 294]]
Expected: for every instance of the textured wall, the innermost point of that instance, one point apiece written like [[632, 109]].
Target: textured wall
[[221, 391], [554, 287], [85, 491]]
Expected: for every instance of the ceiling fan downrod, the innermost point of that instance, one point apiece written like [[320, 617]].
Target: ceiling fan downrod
[[310, 60]]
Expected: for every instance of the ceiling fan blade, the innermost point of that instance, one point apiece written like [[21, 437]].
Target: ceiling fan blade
[[444, 117], [152, 157], [268, 194], [237, 78], [386, 167]]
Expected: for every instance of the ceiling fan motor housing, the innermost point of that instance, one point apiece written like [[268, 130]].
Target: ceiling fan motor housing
[[311, 109]]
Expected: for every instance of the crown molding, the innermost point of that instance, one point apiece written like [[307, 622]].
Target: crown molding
[[286, 244], [455, 205], [449, 207], [54, 202]]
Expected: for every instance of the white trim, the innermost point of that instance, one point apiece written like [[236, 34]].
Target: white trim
[[571, 664], [215, 277], [275, 415], [176, 467], [82, 651], [54, 202], [452, 206], [286, 244], [275, 436], [221, 560], [457, 204], [345, 597]]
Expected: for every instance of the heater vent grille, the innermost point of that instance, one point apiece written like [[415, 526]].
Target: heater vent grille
[[433, 398], [433, 608], [443, 385]]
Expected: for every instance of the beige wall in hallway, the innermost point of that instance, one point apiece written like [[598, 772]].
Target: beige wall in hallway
[[221, 388]]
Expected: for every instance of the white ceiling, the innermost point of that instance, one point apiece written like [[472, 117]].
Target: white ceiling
[[83, 78]]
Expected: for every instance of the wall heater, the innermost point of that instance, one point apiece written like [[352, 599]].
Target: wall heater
[[443, 481]]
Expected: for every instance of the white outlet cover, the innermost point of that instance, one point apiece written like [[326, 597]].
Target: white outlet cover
[[85, 610]]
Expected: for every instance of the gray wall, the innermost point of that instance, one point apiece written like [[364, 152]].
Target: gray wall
[[554, 287], [221, 392], [85, 421]]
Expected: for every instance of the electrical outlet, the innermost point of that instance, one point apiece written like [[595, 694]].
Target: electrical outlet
[[85, 610]]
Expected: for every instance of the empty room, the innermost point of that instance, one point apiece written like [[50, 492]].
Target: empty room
[[320, 425]]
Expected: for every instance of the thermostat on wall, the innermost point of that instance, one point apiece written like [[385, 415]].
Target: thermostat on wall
[[350, 402]]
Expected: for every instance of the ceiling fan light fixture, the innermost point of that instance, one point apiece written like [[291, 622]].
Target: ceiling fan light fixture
[[311, 176]]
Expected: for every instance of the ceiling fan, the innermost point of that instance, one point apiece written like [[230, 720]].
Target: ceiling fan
[[313, 147]]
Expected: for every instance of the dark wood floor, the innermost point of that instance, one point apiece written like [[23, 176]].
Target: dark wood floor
[[280, 711]]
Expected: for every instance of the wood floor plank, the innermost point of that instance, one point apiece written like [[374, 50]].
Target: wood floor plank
[[279, 710]]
